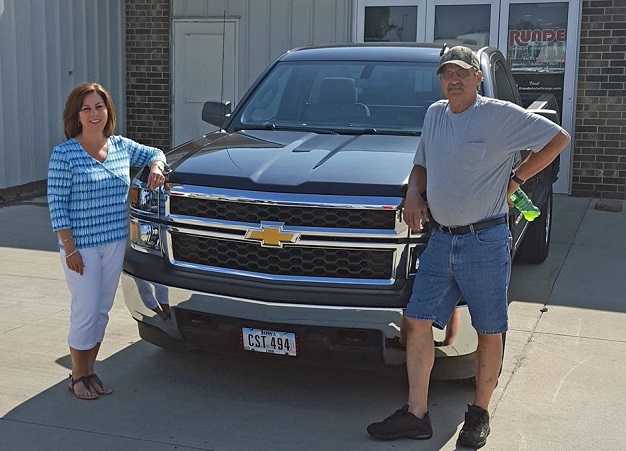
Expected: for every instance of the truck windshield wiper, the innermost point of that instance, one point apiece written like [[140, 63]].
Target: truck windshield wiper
[[338, 131], [272, 126], [375, 131], [266, 126]]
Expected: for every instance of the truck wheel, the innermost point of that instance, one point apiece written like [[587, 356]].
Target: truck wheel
[[536, 243]]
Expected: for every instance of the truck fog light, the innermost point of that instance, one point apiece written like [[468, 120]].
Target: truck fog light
[[145, 236]]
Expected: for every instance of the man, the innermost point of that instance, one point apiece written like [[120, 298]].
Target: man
[[467, 150]]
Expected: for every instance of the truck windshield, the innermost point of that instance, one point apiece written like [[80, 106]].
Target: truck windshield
[[338, 96]]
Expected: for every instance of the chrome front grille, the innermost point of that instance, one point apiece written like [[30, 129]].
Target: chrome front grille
[[316, 238], [293, 215], [299, 261]]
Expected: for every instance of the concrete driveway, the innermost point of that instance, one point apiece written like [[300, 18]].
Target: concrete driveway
[[562, 386]]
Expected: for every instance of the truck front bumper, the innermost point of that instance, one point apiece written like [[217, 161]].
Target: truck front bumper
[[326, 334]]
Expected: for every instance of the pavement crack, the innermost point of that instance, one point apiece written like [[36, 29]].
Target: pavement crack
[[12, 329], [571, 370], [31, 277], [105, 434], [587, 337]]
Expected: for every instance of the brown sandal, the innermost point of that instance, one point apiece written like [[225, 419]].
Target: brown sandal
[[85, 381], [98, 386]]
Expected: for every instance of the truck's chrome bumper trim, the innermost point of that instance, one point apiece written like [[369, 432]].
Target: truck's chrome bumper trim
[[387, 320]]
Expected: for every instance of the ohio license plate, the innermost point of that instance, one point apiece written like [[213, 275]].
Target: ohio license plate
[[268, 341]]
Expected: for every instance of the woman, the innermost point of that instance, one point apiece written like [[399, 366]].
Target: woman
[[88, 183]]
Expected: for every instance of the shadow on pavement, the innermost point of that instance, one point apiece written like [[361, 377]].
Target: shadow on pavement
[[212, 401], [163, 400], [585, 266], [29, 224]]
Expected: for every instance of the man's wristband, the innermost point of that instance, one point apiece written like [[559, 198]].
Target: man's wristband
[[516, 179]]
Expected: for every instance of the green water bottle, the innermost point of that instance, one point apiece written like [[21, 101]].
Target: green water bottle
[[524, 205]]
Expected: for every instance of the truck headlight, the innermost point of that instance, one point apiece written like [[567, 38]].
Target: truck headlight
[[145, 236], [144, 200]]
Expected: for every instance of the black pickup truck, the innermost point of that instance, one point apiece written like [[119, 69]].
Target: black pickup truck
[[281, 232]]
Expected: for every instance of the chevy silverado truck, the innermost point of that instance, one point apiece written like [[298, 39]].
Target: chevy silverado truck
[[281, 232]]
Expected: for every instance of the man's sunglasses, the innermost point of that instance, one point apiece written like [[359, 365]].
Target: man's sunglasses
[[461, 73]]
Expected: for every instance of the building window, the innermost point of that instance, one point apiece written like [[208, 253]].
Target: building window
[[390, 24], [462, 25]]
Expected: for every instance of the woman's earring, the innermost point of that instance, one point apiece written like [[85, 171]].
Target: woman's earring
[[79, 124]]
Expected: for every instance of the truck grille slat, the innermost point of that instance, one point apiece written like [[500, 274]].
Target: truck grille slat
[[295, 216], [300, 261]]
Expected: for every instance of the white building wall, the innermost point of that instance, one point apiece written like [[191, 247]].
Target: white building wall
[[268, 28], [46, 48]]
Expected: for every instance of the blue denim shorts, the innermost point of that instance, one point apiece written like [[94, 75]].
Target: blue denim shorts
[[475, 266]]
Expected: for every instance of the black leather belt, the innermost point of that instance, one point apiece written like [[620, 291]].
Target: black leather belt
[[462, 230]]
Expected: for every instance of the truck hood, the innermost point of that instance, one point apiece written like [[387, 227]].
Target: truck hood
[[297, 162]]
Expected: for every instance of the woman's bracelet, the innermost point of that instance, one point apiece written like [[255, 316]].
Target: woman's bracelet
[[71, 253], [67, 239]]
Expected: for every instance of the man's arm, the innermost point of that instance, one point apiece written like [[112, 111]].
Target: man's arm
[[537, 161], [415, 209]]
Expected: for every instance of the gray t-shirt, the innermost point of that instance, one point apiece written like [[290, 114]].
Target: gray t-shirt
[[469, 156]]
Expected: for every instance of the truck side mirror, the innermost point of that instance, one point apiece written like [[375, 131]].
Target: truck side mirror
[[216, 113]]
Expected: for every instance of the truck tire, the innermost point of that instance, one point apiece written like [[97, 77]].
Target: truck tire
[[536, 244]]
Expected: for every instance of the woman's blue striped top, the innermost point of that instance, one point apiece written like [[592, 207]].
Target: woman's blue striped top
[[90, 197]]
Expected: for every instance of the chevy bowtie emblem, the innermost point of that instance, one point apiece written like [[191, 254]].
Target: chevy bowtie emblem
[[272, 235]]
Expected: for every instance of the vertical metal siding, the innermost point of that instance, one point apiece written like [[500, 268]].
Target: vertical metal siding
[[46, 48], [257, 37], [268, 28]]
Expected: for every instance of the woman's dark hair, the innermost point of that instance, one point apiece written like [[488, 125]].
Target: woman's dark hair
[[74, 103]]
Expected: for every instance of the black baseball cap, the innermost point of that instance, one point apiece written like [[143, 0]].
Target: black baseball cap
[[461, 56]]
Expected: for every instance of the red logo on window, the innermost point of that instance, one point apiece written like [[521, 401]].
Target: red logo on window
[[522, 38]]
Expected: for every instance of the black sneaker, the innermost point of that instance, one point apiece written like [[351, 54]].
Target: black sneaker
[[402, 424], [475, 429]]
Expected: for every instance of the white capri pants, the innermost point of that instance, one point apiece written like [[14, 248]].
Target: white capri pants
[[93, 293]]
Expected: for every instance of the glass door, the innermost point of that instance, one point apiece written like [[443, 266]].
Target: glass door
[[390, 21], [540, 39], [474, 24]]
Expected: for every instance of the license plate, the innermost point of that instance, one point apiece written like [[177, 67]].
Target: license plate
[[268, 341]]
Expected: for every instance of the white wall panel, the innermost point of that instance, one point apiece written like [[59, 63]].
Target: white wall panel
[[46, 48], [271, 27]]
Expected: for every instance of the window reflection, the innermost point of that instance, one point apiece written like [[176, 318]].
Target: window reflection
[[462, 25], [536, 48], [156, 297], [390, 24], [537, 36]]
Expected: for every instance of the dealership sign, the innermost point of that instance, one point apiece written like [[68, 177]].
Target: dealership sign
[[522, 38]]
